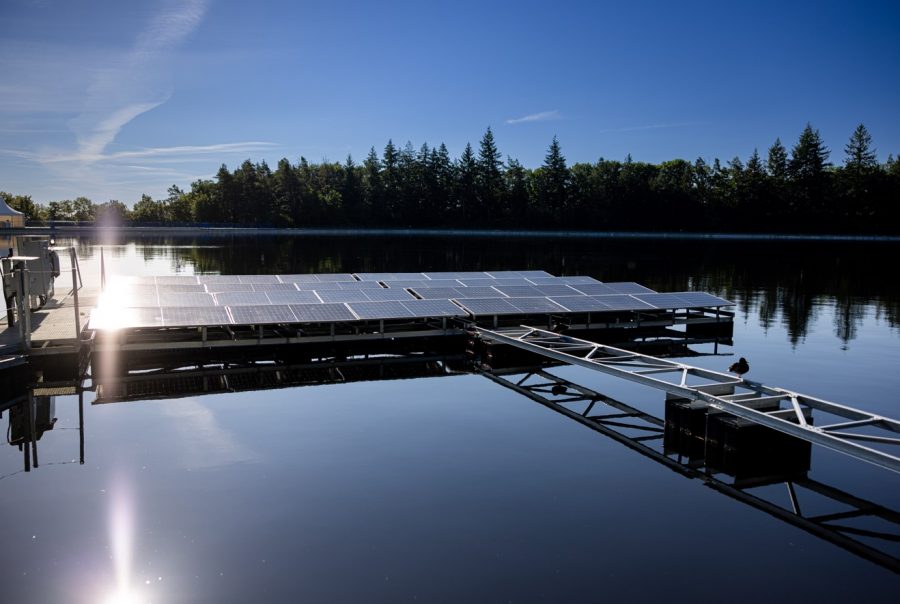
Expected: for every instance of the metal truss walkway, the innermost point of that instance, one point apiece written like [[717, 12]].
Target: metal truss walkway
[[644, 433], [776, 408]]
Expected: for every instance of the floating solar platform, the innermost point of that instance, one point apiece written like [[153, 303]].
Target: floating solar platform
[[186, 301]]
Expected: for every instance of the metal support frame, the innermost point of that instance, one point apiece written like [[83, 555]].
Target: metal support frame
[[612, 418], [749, 400]]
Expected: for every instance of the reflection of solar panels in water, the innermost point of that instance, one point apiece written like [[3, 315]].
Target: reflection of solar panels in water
[[489, 306], [536, 305], [437, 293], [187, 316], [623, 302], [701, 299], [433, 308], [180, 287], [581, 303], [293, 297], [175, 279], [573, 280], [629, 287], [387, 294], [322, 313], [216, 288], [259, 279], [480, 292], [185, 299], [519, 291], [255, 315], [557, 290], [594, 289], [380, 310], [242, 298], [272, 287], [342, 295]]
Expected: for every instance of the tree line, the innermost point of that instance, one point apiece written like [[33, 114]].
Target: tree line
[[796, 191]]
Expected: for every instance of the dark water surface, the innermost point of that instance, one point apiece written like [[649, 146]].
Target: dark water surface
[[455, 489]]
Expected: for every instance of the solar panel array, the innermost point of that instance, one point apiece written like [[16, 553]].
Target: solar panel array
[[205, 300]]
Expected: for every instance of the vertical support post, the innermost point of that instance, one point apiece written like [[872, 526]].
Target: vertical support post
[[26, 310], [102, 271], [32, 428], [20, 305], [80, 427], [73, 260], [75, 301]]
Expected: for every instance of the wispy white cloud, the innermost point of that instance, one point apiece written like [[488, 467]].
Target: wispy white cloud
[[543, 116]]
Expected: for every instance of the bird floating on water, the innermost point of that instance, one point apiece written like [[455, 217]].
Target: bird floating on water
[[741, 367]]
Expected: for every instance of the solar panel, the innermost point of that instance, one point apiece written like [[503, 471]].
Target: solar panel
[[433, 308], [259, 279], [342, 295], [594, 289], [629, 287], [356, 284], [271, 287], [387, 294], [380, 310], [195, 316], [488, 306], [702, 299], [624, 302], [437, 293], [538, 274], [319, 286], [536, 305], [242, 299], [298, 278], [293, 297], [335, 277], [185, 299], [504, 281], [215, 288], [480, 292], [458, 275], [401, 283], [255, 315], [519, 291], [518, 274], [575, 280], [557, 290], [118, 318], [176, 279], [180, 287], [322, 313], [581, 303], [662, 300], [219, 278]]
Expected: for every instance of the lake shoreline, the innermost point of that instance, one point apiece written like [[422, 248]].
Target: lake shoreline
[[196, 231]]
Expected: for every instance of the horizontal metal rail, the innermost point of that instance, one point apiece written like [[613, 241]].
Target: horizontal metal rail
[[746, 399], [590, 408]]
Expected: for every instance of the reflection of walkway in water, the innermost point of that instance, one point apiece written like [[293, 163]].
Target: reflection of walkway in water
[[754, 456], [720, 446]]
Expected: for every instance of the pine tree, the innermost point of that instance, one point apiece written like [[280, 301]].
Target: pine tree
[[777, 162], [555, 181], [489, 178], [809, 157], [466, 173], [861, 157]]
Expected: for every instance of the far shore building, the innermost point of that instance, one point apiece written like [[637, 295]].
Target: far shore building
[[10, 218]]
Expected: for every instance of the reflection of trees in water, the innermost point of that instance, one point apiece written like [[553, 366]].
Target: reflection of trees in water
[[784, 282]]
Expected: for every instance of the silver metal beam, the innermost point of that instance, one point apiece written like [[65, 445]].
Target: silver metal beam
[[714, 389]]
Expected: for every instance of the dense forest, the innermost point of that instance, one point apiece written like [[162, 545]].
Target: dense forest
[[797, 191]]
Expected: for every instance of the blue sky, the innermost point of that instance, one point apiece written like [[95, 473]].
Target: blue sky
[[113, 99]]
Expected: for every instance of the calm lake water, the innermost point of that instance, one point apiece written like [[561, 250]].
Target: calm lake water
[[454, 489]]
